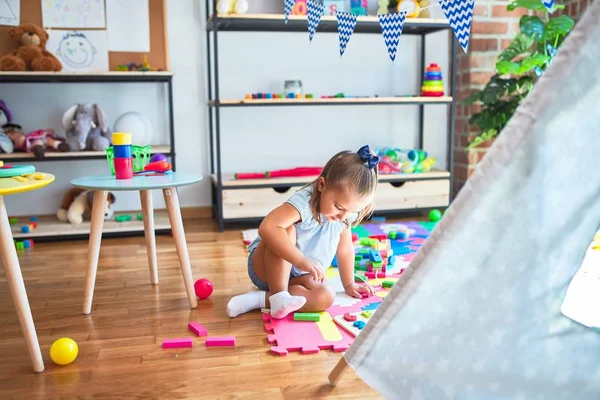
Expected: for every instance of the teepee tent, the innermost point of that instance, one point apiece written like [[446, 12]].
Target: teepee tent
[[477, 315]]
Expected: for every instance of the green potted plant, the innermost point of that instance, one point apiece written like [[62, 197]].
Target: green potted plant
[[518, 68]]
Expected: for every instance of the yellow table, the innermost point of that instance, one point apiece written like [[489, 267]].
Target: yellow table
[[10, 261]]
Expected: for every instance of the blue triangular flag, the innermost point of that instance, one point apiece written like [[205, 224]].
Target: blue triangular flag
[[289, 4], [346, 25], [391, 29], [549, 4], [315, 11], [460, 15]]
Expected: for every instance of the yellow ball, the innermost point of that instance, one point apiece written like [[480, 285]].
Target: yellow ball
[[64, 351]]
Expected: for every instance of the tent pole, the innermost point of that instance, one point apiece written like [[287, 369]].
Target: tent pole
[[338, 371]]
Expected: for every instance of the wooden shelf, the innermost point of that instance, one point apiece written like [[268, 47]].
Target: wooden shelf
[[80, 77], [333, 101], [229, 182], [72, 156], [49, 227], [328, 23]]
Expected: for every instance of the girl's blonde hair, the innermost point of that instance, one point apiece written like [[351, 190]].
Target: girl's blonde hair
[[356, 170]]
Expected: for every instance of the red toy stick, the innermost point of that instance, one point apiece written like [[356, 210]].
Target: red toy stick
[[281, 173]]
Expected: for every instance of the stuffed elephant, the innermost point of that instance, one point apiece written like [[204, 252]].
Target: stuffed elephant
[[87, 128]]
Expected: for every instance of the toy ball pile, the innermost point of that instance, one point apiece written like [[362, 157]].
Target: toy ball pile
[[395, 161]]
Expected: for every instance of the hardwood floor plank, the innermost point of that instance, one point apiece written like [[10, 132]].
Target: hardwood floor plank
[[120, 342]]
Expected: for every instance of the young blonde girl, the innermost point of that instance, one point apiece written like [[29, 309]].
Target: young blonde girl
[[297, 241]]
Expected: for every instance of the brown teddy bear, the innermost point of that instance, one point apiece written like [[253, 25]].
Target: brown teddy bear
[[31, 54]]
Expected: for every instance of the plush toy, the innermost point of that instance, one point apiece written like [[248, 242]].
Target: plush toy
[[383, 7], [38, 141], [31, 55], [76, 206], [232, 6], [11, 136], [425, 11], [86, 128]]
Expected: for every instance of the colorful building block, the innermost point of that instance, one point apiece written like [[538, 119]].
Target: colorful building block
[[375, 256], [13, 220], [307, 317], [378, 237], [198, 329], [176, 343], [391, 260], [387, 284], [220, 341], [33, 219], [366, 314], [331, 7]]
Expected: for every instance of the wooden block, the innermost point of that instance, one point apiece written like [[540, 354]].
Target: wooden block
[[387, 284], [198, 329], [177, 343], [307, 317], [220, 341]]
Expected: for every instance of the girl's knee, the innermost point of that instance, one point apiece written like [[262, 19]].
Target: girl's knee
[[323, 297]]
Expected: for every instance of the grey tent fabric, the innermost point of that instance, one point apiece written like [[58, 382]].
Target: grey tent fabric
[[477, 313]]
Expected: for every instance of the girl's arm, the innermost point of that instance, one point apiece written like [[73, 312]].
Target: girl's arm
[[345, 258], [273, 231], [345, 261]]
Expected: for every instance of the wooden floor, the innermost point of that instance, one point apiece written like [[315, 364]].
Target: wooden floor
[[120, 354]]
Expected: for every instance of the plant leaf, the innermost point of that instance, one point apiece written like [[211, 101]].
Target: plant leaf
[[558, 26], [533, 27], [520, 44], [535, 5]]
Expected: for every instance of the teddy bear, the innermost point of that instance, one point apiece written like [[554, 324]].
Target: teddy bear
[[76, 206], [31, 55]]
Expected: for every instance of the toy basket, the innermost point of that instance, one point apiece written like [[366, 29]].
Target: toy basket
[[141, 157]]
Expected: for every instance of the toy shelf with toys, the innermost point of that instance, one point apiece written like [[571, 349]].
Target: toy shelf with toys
[[250, 198], [329, 101]]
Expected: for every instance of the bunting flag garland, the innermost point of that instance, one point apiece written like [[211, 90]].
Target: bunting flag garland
[[460, 15], [288, 5], [346, 25], [391, 29], [315, 11], [549, 4]]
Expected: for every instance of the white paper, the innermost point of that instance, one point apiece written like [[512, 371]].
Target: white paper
[[128, 25], [582, 301], [79, 51], [73, 14], [10, 12]]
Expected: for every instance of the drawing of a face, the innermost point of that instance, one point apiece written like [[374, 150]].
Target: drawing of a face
[[76, 50]]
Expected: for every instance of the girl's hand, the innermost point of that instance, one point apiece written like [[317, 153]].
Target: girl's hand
[[313, 267], [355, 290]]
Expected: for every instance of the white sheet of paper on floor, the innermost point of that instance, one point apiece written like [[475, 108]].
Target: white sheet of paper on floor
[[128, 25], [582, 301]]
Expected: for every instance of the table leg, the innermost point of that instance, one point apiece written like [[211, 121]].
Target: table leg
[[12, 269], [172, 202], [148, 213], [94, 248]]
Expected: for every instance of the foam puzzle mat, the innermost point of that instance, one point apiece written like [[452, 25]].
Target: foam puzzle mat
[[308, 337]]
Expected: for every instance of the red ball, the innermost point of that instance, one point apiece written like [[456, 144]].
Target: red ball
[[203, 288]]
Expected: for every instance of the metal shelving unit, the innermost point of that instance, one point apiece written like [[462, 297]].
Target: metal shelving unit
[[276, 23], [49, 229]]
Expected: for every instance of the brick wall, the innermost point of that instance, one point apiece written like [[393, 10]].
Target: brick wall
[[493, 29]]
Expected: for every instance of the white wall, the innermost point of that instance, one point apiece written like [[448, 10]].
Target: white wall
[[253, 139]]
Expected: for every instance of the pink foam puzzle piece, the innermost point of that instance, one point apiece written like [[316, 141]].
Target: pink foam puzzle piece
[[288, 335], [197, 329], [176, 343]]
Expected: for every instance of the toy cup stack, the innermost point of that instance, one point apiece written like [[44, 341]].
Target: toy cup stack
[[123, 155], [433, 86]]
